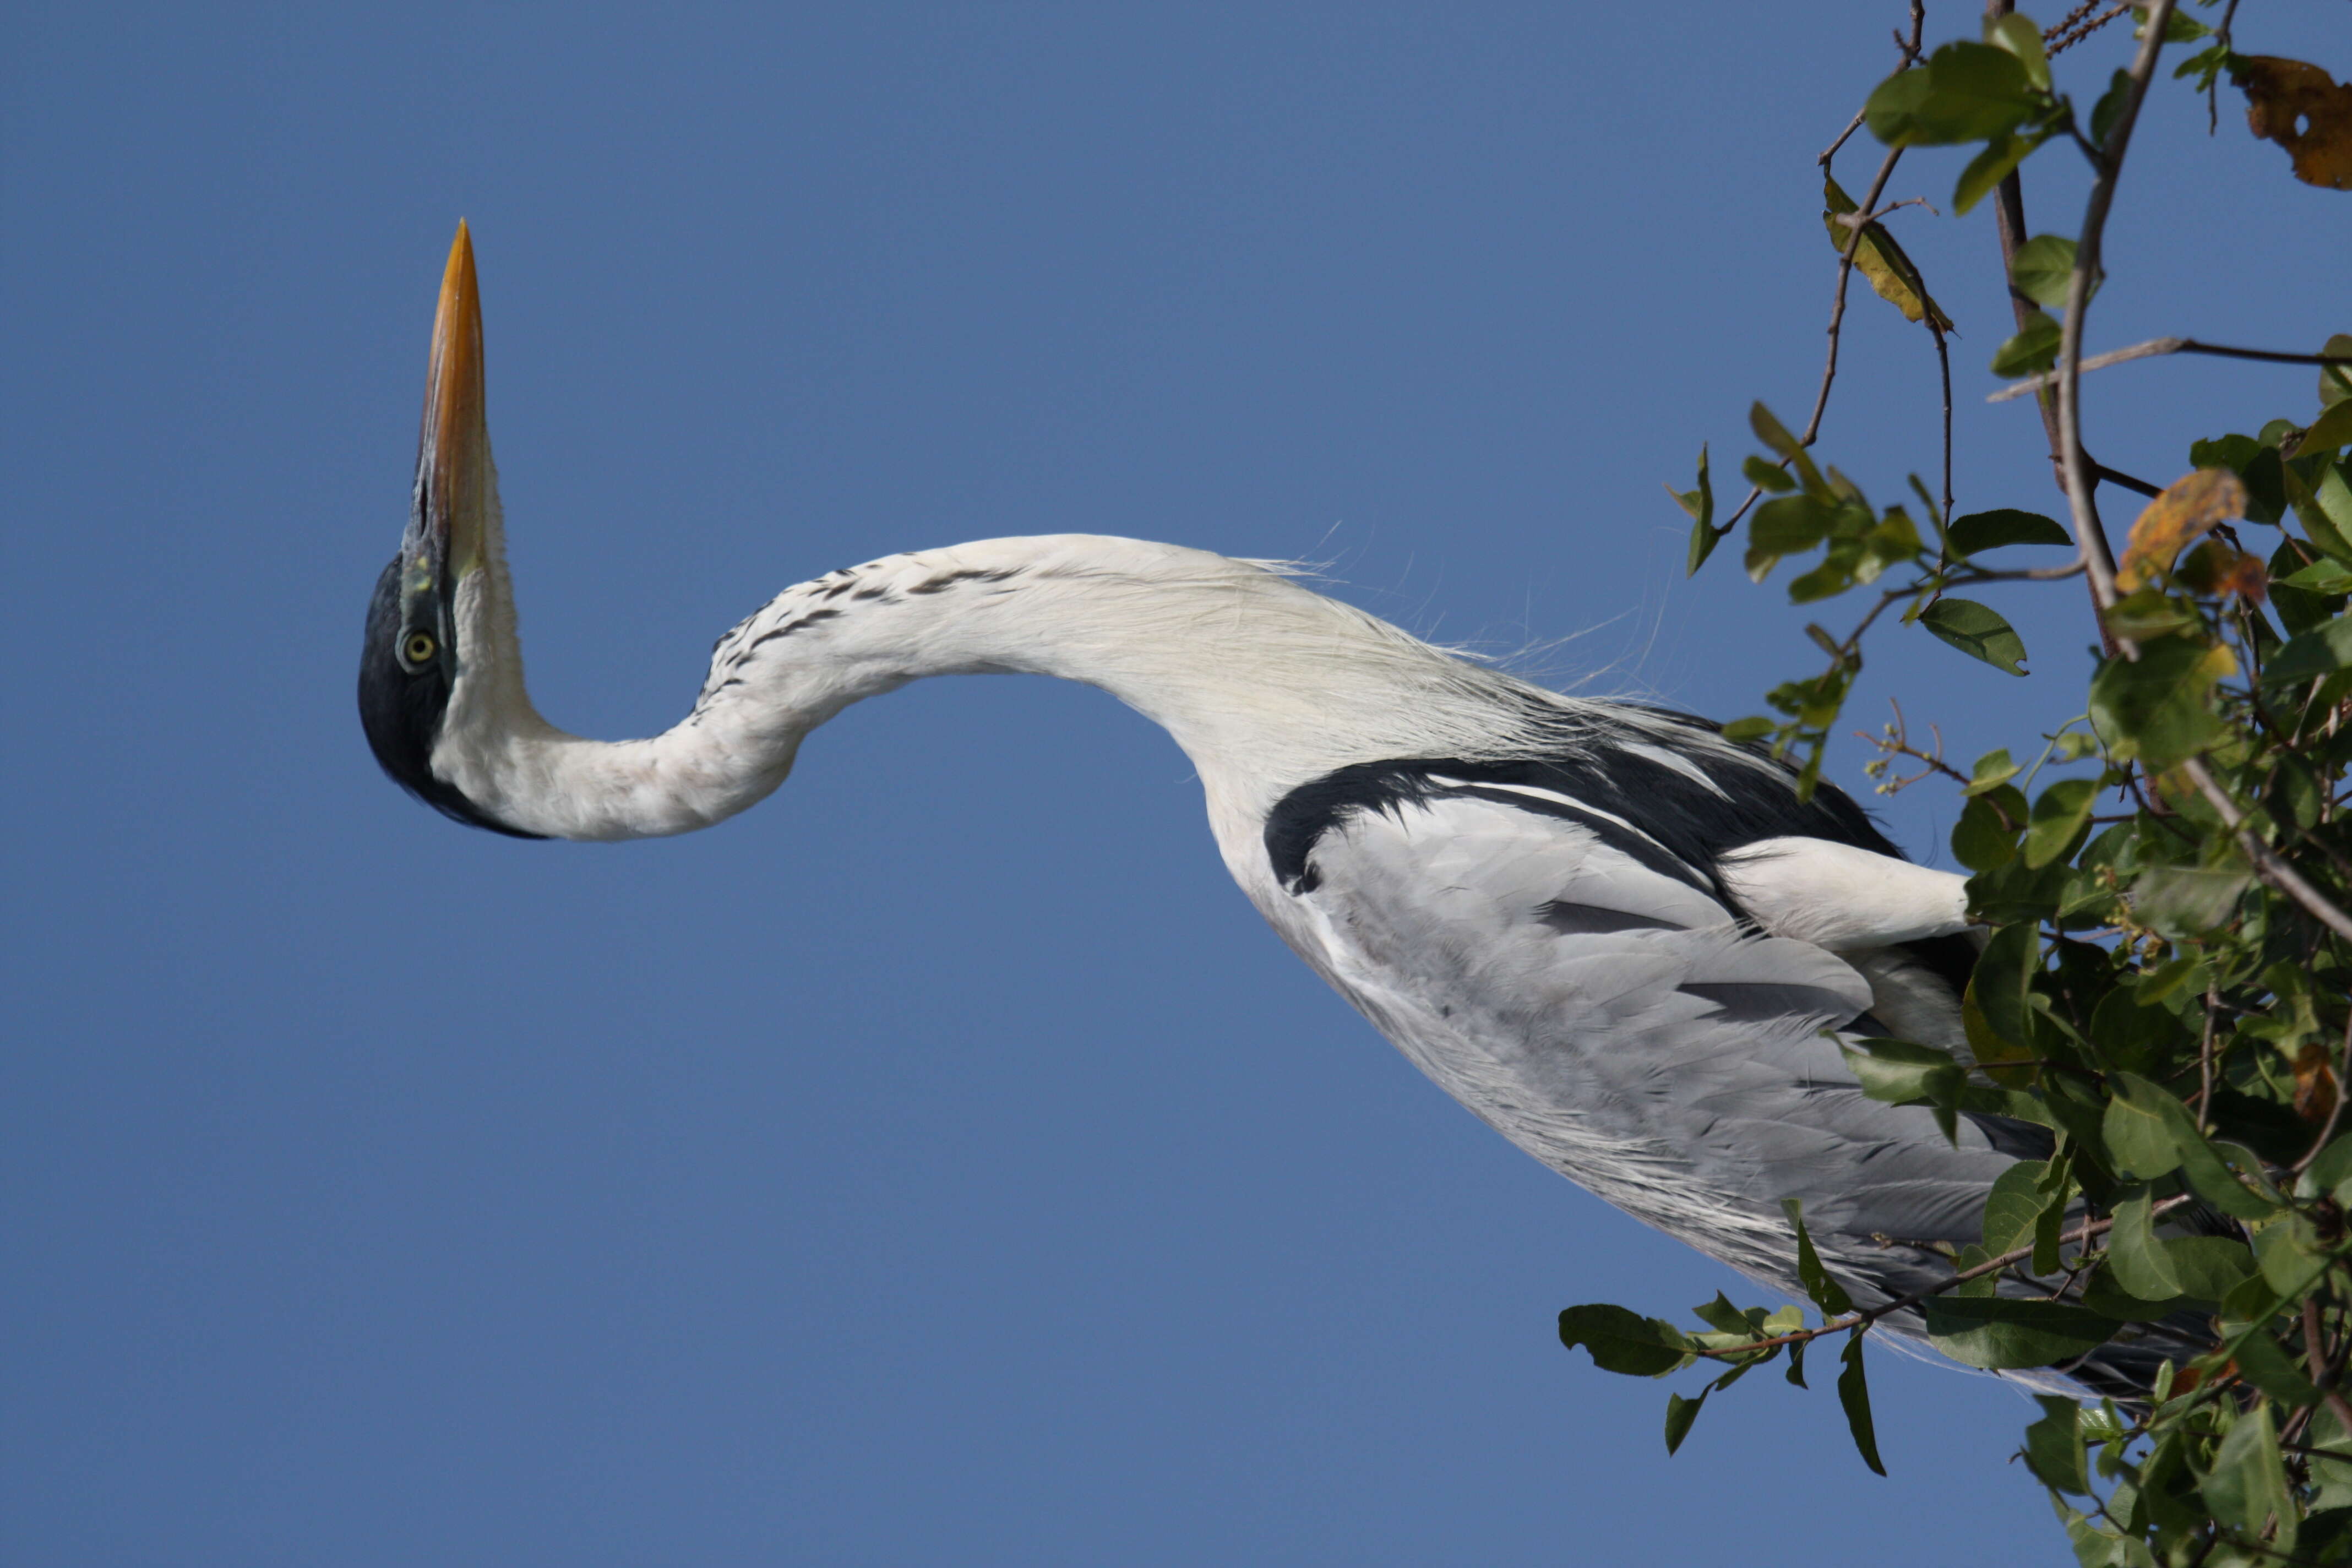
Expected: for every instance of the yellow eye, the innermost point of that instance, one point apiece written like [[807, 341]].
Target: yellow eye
[[418, 648]]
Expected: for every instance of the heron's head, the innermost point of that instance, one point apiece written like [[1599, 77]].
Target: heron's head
[[431, 626]]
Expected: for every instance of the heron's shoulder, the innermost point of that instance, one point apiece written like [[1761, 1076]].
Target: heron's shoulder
[[1663, 788]]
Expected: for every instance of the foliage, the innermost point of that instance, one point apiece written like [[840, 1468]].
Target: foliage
[[2162, 884]]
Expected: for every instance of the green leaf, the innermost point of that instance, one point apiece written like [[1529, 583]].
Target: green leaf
[[1721, 1315], [1755, 727], [2021, 37], [2247, 1486], [2296, 792], [2321, 504], [1775, 435], [2013, 1208], [1829, 579], [2287, 1256], [1901, 1073], [1998, 1332], [2032, 349], [1975, 92], [2208, 1266], [2137, 1257], [1769, 477], [1991, 771], [2178, 28], [1826, 1293], [2053, 1444], [1700, 504], [2042, 271], [1988, 168], [1787, 526], [2188, 901], [1892, 104], [2101, 1295], [2061, 814], [2333, 1166], [2138, 1132], [2149, 1133], [1983, 531], [1622, 1342], [2110, 107], [2158, 709], [2336, 380], [2261, 1362], [2002, 981], [1977, 631], [1980, 839], [2015, 891], [2187, 975], [1680, 1413], [2322, 650], [2325, 576], [1854, 1393], [2329, 431]]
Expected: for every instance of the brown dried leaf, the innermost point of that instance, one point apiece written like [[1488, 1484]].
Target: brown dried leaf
[[2183, 514], [2314, 1083], [2303, 109], [2244, 576]]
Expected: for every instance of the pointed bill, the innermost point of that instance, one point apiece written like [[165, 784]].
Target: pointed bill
[[453, 444]]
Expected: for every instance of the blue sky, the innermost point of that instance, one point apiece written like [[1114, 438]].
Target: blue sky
[[940, 1163]]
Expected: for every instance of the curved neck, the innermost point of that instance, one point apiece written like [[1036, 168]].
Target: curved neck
[[1263, 684]]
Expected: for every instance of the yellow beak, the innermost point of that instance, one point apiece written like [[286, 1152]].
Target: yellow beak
[[452, 458]]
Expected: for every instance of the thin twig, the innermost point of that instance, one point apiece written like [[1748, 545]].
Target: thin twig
[[1853, 243], [1943, 371], [1852, 218], [1910, 46], [1852, 126], [2213, 99], [1845, 261], [1837, 304], [1864, 1318], [2205, 1062], [2009, 214], [2110, 476], [2029, 574], [2156, 346]]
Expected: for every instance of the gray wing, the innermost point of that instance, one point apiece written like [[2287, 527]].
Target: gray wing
[[1594, 999]]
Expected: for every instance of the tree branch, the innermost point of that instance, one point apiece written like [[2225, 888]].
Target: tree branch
[[2090, 539], [2268, 865], [1864, 1319], [2009, 213], [2156, 346]]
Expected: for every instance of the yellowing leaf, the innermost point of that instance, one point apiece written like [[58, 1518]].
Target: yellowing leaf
[[2304, 111], [2183, 514], [1881, 260]]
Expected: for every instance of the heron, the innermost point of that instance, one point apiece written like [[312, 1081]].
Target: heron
[[1628, 944]]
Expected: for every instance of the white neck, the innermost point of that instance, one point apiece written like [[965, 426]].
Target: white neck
[[1263, 684]]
